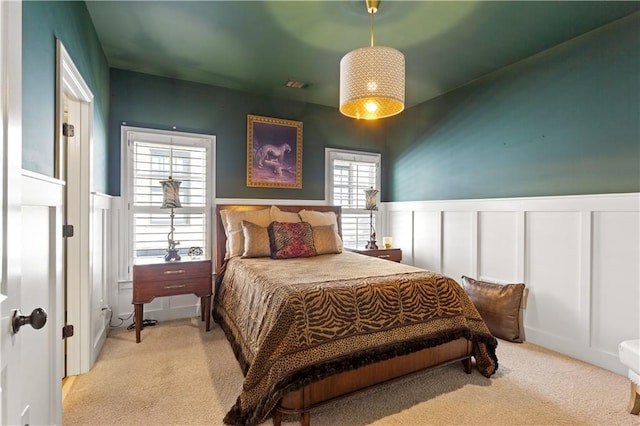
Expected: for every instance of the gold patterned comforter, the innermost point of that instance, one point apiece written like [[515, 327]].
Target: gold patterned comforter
[[293, 321]]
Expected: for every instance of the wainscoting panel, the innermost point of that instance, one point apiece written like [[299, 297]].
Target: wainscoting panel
[[401, 227], [616, 267], [427, 247], [102, 269], [458, 242], [552, 265], [498, 246], [577, 255]]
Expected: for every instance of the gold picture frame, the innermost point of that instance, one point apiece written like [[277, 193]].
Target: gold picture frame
[[274, 152]]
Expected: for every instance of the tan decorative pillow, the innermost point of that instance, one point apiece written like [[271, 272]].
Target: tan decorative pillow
[[324, 239], [256, 240], [498, 305], [278, 215], [233, 228], [316, 218]]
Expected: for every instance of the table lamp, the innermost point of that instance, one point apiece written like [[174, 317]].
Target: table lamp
[[171, 200], [371, 205]]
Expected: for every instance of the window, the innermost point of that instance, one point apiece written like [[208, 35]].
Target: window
[[349, 174], [153, 156]]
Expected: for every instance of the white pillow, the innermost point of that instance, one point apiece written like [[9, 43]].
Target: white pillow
[[232, 221], [316, 218], [278, 215]]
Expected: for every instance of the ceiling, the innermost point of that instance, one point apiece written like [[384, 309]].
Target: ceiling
[[256, 46]]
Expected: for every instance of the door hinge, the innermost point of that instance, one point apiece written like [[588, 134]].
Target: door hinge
[[67, 130], [67, 231], [67, 331]]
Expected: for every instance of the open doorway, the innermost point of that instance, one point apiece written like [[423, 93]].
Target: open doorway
[[74, 124]]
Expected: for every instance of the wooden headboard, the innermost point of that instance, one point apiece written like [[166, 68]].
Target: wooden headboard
[[221, 238]]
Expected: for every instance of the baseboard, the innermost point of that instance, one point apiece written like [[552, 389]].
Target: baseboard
[[575, 349]]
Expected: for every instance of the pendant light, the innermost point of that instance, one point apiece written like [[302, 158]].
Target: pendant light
[[372, 79]]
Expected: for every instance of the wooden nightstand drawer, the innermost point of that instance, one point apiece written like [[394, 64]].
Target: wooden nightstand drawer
[[171, 271], [394, 254], [145, 292]]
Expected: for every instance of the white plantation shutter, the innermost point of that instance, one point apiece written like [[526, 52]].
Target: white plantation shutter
[[349, 174], [153, 158]]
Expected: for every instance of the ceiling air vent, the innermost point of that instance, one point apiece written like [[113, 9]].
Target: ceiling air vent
[[295, 84]]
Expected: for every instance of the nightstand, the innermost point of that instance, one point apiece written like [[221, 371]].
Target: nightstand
[[394, 254], [158, 278]]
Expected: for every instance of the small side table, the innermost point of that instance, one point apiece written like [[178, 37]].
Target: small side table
[[158, 278], [394, 254]]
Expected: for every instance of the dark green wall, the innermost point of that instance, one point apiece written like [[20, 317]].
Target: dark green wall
[[148, 101], [43, 23], [564, 122]]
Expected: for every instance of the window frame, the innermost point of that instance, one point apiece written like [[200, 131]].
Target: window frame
[[332, 154], [159, 136]]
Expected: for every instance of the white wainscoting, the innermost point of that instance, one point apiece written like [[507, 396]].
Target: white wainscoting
[[578, 256], [45, 195], [102, 269]]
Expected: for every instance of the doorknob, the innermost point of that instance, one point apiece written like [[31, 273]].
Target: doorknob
[[37, 319]]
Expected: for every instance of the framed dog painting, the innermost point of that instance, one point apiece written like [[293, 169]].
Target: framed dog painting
[[274, 152]]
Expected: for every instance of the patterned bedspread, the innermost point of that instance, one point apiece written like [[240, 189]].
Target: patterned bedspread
[[293, 321]]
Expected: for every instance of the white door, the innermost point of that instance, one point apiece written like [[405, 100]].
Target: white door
[[29, 365], [11, 116], [42, 369]]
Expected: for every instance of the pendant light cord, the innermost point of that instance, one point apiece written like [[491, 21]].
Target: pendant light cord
[[372, 13]]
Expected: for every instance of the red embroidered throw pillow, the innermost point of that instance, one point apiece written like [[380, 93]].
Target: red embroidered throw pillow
[[294, 239]]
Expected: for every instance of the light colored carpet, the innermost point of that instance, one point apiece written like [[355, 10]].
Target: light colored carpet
[[181, 375]]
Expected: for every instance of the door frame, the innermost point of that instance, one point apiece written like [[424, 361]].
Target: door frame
[[74, 165]]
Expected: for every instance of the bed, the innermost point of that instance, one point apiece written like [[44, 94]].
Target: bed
[[310, 328]]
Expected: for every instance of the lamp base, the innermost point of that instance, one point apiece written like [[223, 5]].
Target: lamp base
[[371, 245], [172, 254]]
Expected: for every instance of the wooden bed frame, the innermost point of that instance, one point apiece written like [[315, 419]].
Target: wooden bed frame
[[301, 401]]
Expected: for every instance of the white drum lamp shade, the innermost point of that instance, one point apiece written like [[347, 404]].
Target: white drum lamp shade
[[372, 83]]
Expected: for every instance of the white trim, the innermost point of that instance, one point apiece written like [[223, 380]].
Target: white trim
[[622, 201], [70, 81], [77, 172], [41, 177], [267, 201]]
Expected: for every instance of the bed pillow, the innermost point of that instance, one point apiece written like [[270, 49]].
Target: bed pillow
[[282, 216], [291, 239], [316, 218], [232, 221], [498, 305], [324, 239], [256, 240]]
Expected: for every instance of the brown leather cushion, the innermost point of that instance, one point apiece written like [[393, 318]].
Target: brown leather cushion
[[499, 306]]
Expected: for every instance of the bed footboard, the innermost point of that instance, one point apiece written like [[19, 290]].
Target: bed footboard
[[343, 384]]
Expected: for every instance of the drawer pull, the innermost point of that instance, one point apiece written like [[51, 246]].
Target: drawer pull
[[175, 286], [178, 271], [384, 256]]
